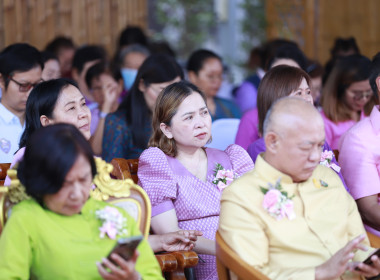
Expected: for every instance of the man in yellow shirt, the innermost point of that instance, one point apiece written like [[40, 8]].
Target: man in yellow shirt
[[291, 217]]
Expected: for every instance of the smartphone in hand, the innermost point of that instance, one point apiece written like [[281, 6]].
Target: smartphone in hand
[[126, 247], [368, 260]]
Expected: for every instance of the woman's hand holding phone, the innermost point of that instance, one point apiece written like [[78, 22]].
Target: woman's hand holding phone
[[120, 263], [122, 270], [369, 267]]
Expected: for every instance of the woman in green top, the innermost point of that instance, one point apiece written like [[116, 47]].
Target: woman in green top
[[62, 233]]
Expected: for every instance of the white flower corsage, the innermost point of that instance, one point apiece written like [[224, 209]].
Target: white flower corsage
[[114, 223]]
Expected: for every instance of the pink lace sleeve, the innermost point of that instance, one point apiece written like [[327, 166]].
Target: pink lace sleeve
[[157, 179], [240, 160]]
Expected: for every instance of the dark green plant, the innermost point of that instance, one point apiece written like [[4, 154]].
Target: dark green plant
[[192, 20], [253, 25]]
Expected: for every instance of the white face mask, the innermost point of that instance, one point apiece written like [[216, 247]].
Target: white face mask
[[129, 76]]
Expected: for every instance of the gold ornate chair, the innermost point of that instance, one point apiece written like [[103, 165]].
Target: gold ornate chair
[[123, 193], [3, 172], [228, 261], [4, 206], [173, 264], [10, 196]]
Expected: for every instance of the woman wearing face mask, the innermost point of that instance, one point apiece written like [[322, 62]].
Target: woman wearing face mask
[[347, 96], [279, 82], [183, 179], [56, 233], [127, 131], [130, 59]]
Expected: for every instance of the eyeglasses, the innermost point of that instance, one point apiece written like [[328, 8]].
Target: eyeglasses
[[360, 94], [26, 86]]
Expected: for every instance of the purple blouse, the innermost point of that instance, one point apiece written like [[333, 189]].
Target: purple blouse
[[248, 131], [170, 185]]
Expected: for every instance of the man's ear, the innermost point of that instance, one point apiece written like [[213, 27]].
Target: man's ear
[[2, 83], [192, 77], [167, 130], [45, 121], [271, 142]]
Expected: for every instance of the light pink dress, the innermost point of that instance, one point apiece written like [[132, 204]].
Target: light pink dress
[[359, 158], [335, 130], [197, 203]]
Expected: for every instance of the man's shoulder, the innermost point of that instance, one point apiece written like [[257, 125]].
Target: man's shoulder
[[323, 174], [361, 128], [6, 116]]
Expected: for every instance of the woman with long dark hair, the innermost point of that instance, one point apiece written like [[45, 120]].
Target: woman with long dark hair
[[347, 96], [128, 130]]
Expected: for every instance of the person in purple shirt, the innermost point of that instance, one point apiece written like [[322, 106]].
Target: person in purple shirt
[[288, 54], [183, 179], [279, 82]]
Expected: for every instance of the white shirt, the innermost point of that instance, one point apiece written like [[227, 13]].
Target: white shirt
[[10, 133]]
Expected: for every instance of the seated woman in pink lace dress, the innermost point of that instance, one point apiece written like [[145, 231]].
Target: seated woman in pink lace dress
[[179, 174]]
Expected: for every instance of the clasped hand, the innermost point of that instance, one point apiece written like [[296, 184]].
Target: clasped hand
[[181, 240]]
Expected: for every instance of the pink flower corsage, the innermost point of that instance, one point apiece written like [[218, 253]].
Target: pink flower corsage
[[114, 223], [222, 177], [326, 160], [277, 202]]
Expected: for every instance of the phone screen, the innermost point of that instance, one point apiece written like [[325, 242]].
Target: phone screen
[[125, 247], [368, 260]]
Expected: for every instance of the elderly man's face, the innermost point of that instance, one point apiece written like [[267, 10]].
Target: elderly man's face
[[299, 149]]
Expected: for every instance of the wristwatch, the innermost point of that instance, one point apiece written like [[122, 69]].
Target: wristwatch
[[102, 115]]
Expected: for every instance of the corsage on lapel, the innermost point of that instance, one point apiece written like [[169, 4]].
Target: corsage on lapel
[[277, 202], [222, 177], [326, 160]]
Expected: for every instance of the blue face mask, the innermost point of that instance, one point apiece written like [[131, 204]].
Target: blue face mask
[[129, 76]]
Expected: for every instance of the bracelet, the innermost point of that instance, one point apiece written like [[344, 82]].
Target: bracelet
[[102, 115]]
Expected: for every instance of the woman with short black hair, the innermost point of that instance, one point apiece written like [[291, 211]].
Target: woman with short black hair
[[60, 232]]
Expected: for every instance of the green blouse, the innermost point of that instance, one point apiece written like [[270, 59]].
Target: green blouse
[[40, 244]]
